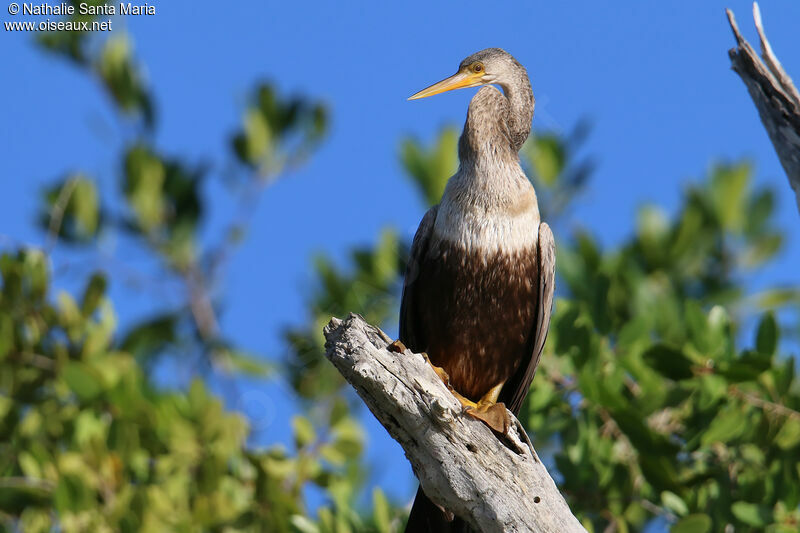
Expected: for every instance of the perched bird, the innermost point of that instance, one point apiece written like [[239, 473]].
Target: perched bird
[[479, 284]]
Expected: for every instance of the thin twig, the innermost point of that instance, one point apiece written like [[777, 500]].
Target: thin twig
[[39, 361], [766, 405], [20, 482]]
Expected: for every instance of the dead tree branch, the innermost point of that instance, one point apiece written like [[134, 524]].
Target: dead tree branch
[[496, 484], [775, 96]]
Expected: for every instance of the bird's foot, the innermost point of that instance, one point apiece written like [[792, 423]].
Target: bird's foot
[[493, 415], [439, 371], [397, 347], [486, 410], [490, 413]]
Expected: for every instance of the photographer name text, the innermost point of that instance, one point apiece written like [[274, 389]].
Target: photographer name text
[[64, 8]]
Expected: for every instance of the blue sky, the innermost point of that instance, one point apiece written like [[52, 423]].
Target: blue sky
[[653, 78]]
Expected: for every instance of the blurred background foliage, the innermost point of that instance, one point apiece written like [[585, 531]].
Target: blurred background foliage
[[667, 397]]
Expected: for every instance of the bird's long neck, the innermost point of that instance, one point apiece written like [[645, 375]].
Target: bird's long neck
[[486, 139], [520, 108], [490, 176], [489, 204], [497, 124]]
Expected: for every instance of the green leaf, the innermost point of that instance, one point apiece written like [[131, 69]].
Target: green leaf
[[548, 156], [36, 272], [778, 297], [752, 514], [6, 335], [789, 435], [277, 131], [302, 524], [257, 137], [726, 426], [29, 465], [144, 187], [123, 79], [668, 361], [762, 249], [148, 338], [652, 228], [89, 428], [81, 380], [694, 523], [240, 361], [332, 455], [94, 292], [85, 207], [712, 389], [380, 506], [728, 188], [674, 503], [431, 167], [348, 437], [767, 336], [304, 433], [72, 209]]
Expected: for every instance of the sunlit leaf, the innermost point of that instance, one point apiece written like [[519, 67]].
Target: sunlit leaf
[[694, 523], [431, 168], [751, 514], [304, 433], [789, 435], [81, 380]]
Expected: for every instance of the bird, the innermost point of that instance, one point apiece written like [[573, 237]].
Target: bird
[[478, 287]]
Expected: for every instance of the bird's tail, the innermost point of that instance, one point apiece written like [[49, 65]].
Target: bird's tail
[[427, 517]]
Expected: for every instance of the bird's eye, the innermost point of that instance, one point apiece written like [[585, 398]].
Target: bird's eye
[[477, 67]]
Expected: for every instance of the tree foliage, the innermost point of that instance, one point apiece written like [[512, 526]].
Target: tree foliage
[[88, 444], [657, 400]]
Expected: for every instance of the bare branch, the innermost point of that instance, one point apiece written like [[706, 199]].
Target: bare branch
[[495, 484], [775, 96], [766, 405]]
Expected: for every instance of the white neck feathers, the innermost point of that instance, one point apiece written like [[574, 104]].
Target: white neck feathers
[[489, 212]]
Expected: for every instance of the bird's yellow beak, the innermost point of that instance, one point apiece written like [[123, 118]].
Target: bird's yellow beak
[[460, 80]]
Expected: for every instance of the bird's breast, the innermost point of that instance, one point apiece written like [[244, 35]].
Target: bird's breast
[[477, 311], [476, 229], [489, 207]]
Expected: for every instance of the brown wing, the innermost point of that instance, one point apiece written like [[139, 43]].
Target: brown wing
[[410, 333], [425, 516], [514, 391]]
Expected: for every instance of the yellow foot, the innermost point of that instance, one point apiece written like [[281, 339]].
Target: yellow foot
[[493, 415], [397, 347], [487, 410]]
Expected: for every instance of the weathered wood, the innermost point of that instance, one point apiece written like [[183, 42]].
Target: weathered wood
[[496, 484], [775, 96]]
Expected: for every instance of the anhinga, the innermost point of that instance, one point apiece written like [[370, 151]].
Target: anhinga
[[479, 285]]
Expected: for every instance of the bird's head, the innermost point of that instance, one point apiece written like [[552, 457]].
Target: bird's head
[[492, 65]]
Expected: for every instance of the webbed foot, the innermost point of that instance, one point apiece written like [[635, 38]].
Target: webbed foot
[[493, 415]]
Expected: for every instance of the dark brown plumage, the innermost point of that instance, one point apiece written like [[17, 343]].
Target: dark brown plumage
[[472, 313], [479, 285]]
